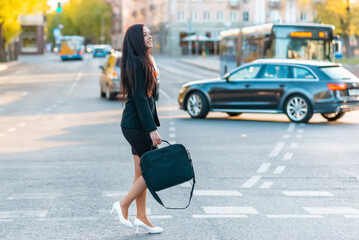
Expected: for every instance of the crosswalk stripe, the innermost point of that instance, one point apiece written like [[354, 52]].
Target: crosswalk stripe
[[263, 168], [266, 185], [220, 216], [19, 214], [277, 149], [351, 216], [250, 182], [308, 193], [216, 193], [331, 210], [294, 216], [234, 210]]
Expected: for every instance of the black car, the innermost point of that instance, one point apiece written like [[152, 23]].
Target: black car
[[297, 88]]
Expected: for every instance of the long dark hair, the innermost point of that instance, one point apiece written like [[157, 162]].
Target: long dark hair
[[134, 47]]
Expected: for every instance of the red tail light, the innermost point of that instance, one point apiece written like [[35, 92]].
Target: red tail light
[[60, 53], [80, 52], [337, 86], [114, 74]]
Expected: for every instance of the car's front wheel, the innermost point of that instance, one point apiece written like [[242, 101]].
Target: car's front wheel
[[333, 116], [197, 105], [298, 108]]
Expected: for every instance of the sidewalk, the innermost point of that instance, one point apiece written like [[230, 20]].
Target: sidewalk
[[7, 65], [210, 63]]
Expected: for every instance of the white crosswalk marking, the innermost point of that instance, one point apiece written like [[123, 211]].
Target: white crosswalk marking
[[220, 216], [19, 214], [294, 216], [331, 210], [308, 193], [288, 156], [279, 170], [263, 168], [277, 149], [266, 185], [228, 210], [250, 182], [216, 193]]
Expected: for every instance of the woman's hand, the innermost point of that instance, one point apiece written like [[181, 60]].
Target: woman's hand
[[156, 138]]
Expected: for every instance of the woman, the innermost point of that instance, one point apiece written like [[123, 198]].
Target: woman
[[139, 119]]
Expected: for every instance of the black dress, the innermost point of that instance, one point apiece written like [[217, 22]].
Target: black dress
[[139, 117]]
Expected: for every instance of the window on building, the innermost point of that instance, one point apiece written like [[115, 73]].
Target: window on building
[[194, 16], [303, 17], [245, 16], [220, 16], [233, 16], [180, 16], [274, 16], [206, 16]]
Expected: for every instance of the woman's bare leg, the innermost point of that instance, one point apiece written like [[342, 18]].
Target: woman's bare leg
[[138, 192]]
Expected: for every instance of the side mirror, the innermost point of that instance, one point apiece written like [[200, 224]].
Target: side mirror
[[102, 68], [226, 76]]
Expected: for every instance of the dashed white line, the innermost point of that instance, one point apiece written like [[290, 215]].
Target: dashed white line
[[244, 135], [172, 123], [331, 210], [19, 214], [216, 193], [263, 168], [286, 136], [291, 127], [250, 182], [228, 210], [308, 193], [160, 216], [113, 193], [11, 129], [279, 170], [266, 185], [220, 216], [172, 129], [172, 135], [294, 145], [277, 149], [300, 130], [288, 156], [294, 216], [351, 216]]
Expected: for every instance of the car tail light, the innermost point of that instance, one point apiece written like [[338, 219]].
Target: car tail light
[[60, 53], [337, 86], [80, 52]]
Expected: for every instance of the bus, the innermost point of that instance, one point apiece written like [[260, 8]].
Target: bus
[[275, 40], [72, 47]]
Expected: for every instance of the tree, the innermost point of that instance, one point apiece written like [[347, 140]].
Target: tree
[[88, 18], [344, 15], [10, 11]]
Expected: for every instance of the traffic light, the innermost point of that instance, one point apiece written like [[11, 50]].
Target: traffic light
[[59, 7]]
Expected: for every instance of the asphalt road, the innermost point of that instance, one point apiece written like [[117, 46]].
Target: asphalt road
[[64, 162]]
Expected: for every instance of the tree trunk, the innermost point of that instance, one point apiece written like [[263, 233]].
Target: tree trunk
[[2, 46], [347, 52]]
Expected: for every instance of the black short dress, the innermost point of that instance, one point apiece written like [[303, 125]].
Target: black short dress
[[139, 117]]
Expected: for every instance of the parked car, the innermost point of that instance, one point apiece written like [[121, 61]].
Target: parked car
[[99, 52], [110, 78], [297, 88]]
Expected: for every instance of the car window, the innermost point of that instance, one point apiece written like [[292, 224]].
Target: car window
[[302, 73], [276, 71], [245, 73], [337, 72]]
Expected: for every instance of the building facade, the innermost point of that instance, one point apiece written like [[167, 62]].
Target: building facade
[[32, 37], [170, 21]]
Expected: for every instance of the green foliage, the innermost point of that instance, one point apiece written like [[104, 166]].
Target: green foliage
[[10, 11], [82, 17]]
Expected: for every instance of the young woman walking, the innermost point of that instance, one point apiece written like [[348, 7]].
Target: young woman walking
[[139, 119]]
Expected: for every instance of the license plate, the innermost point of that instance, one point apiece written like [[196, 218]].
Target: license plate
[[353, 92]]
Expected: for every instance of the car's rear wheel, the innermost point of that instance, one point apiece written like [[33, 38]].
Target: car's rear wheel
[[298, 108], [110, 95], [333, 116], [232, 114], [197, 105], [102, 93]]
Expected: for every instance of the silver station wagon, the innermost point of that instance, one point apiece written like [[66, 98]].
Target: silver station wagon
[[297, 88]]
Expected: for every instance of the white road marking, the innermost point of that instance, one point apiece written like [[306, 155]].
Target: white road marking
[[291, 127], [300, 130], [250, 182], [263, 168], [6, 220], [351, 216], [22, 124], [29, 196], [165, 94], [279, 170], [308, 193], [220, 216], [172, 135], [11, 129], [172, 142], [113, 193], [68, 219], [20, 214], [74, 85], [331, 210], [298, 136], [277, 149], [266, 185], [294, 216], [172, 123], [294, 145], [160, 216], [229, 210], [286, 136], [244, 135], [288, 156], [172, 129], [216, 193]]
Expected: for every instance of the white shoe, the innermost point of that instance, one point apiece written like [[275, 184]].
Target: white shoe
[[116, 206], [138, 223]]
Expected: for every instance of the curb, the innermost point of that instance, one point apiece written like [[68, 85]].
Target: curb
[[199, 65]]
